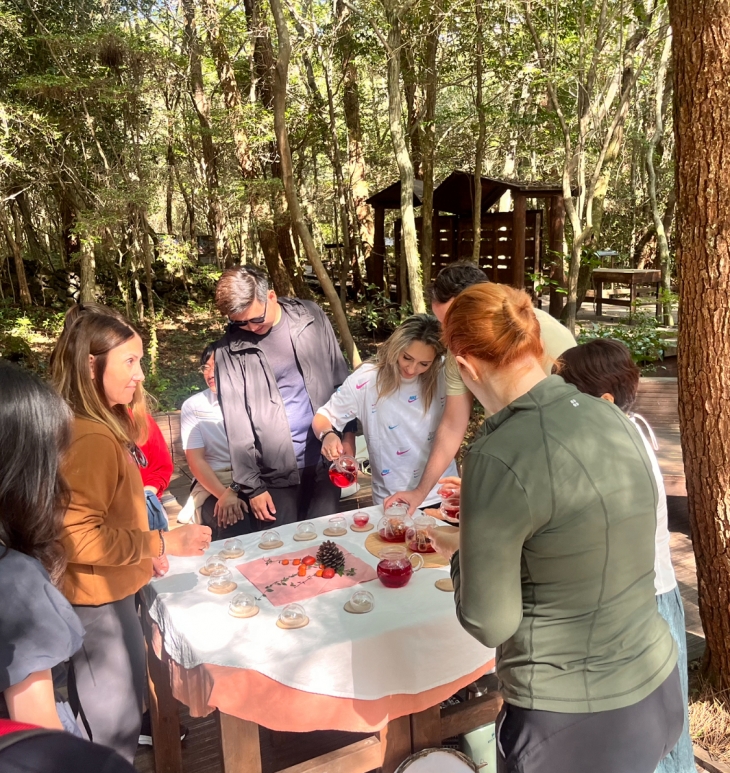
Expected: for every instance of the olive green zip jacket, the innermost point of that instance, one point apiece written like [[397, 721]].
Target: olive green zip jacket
[[556, 559]]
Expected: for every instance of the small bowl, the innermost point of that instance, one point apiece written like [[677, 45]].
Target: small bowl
[[292, 616], [360, 602], [360, 519], [305, 531], [270, 540], [215, 564], [243, 605], [221, 583], [337, 527], [232, 548]]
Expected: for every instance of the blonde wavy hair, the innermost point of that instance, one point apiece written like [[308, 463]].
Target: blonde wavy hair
[[92, 329], [418, 327]]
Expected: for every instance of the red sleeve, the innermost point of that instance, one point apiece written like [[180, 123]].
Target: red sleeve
[[159, 467]]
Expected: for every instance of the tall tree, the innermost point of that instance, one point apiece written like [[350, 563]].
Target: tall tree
[[701, 29]]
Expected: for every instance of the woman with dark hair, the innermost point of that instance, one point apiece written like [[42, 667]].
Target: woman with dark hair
[[204, 440], [38, 627], [604, 368], [399, 398], [554, 559], [111, 551]]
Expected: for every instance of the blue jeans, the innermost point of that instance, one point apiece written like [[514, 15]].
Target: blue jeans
[[681, 758]]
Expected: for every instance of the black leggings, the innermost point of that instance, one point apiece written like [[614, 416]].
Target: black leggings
[[629, 740]]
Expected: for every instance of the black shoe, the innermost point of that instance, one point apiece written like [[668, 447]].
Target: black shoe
[[145, 733]]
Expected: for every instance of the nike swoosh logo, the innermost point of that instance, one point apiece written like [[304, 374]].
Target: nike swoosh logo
[[393, 426], [400, 453], [360, 386], [412, 399]]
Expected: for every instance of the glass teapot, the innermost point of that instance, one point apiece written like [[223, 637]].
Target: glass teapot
[[394, 524], [396, 567], [343, 471], [417, 535]]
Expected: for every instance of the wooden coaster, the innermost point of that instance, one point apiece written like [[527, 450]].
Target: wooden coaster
[[252, 612], [223, 589], [374, 543], [288, 626], [305, 537], [367, 527], [349, 608], [204, 570], [330, 532], [231, 553], [445, 584], [271, 545]]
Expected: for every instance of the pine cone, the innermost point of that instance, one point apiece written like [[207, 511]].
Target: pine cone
[[330, 555]]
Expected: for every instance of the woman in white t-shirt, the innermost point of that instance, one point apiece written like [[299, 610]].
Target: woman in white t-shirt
[[399, 398], [205, 443]]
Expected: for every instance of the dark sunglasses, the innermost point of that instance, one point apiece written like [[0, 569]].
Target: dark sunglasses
[[138, 455], [253, 321]]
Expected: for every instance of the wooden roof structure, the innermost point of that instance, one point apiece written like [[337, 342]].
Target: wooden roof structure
[[389, 198]]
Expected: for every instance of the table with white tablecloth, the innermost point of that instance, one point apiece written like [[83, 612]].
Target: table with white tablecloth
[[342, 671]]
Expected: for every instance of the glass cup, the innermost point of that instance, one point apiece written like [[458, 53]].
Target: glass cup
[[360, 519], [417, 538], [232, 548], [220, 580], [216, 564], [450, 508], [243, 605], [362, 601], [292, 615], [270, 538], [449, 490], [306, 530], [338, 525], [396, 568], [343, 471]]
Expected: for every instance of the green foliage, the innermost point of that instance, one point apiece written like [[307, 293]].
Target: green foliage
[[643, 337], [379, 314]]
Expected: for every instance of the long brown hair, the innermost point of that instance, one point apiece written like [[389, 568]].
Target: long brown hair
[[493, 323], [418, 327], [96, 333], [35, 431]]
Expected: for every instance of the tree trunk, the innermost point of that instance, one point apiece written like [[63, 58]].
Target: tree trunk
[[88, 271], [479, 155], [14, 246], [701, 29], [413, 106], [430, 88], [410, 238], [281, 75]]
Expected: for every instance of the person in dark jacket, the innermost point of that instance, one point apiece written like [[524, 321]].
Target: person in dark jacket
[[278, 363]]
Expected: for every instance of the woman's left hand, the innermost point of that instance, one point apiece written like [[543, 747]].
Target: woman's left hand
[[160, 566], [445, 540]]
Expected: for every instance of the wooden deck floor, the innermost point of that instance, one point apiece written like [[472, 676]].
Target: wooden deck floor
[[657, 402]]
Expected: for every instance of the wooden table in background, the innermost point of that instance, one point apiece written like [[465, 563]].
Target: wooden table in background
[[625, 276]]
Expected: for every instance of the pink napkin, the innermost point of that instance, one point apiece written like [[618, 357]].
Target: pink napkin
[[282, 584]]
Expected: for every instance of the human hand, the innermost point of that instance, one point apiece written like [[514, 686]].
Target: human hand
[[160, 566], [450, 486], [332, 447], [444, 539], [411, 498], [191, 540], [263, 507], [229, 509], [152, 489]]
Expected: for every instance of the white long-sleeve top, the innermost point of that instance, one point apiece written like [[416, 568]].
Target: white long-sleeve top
[[664, 578]]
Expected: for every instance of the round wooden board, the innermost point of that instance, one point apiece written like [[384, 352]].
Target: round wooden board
[[223, 589], [288, 626], [231, 553], [367, 527], [328, 532], [375, 543], [349, 608], [253, 612], [305, 537], [271, 545], [445, 584]]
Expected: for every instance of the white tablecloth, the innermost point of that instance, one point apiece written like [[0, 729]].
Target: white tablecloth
[[411, 641]]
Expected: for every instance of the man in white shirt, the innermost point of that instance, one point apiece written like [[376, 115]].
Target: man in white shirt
[[205, 443], [450, 281]]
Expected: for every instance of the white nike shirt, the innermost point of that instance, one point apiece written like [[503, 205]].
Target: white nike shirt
[[398, 433]]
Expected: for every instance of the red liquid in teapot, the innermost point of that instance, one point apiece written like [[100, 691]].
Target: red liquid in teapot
[[361, 520], [342, 479], [395, 575], [451, 511], [393, 535], [420, 547]]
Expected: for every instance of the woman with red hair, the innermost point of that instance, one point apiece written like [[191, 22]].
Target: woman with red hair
[[554, 560]]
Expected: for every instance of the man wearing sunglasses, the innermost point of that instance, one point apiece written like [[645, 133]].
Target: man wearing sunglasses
[[277, 364]]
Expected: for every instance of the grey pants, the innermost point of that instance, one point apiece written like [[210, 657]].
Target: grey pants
[[315, 496], [107, 676], [629, 740]]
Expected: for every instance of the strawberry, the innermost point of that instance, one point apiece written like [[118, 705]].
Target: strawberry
[[297, 561], [309, 560], [328, 573], [285, 562]]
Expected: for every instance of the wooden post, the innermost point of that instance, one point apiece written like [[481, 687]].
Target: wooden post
[[240, 746], [426, 729], [395, 739], [376, 261], [519, 217], [556, 227]]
